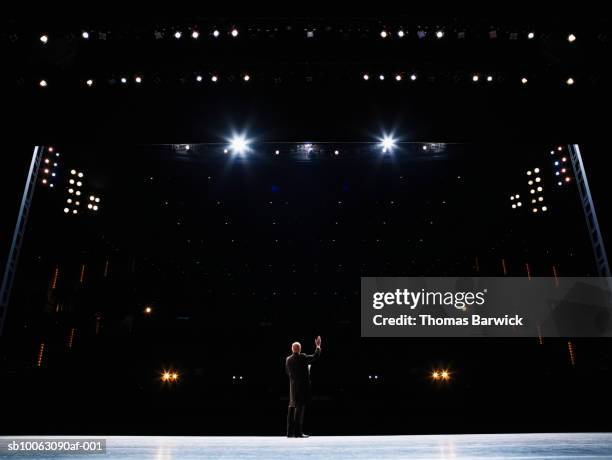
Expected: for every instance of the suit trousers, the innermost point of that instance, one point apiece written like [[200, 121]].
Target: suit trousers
[[295, 420]]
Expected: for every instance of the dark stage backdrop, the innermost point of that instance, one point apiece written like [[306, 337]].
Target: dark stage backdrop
[[239, 256]]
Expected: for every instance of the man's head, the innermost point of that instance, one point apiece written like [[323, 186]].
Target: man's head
[[296, 347]]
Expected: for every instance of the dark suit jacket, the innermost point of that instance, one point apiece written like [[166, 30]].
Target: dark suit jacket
[[296, 366]]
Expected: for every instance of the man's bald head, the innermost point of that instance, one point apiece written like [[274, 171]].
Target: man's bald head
[[296, 347]]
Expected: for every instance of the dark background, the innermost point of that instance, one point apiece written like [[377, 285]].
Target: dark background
[[206, 322]]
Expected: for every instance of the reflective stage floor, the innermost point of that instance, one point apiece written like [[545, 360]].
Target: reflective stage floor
[[495, 446]]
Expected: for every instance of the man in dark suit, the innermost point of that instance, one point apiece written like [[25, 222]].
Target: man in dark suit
[[298, 370]]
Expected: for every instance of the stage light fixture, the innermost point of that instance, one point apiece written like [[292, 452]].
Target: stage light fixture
[[199, 78], [383, 34], [73, 171], [177, 34], [195, 34], [71, 181], [536, 170], [42, 83], [475, 78], [247, 77], [123, 80], [138, 79], [234, 32], [277, 152], [366, 77], [336, 152], [387, 143], [569, 81], [66, 210], [44, 39], [489, 78], [571, 38], [239, 144], [85, 35], [80, 174], [439, 34], [381, 77], [400, 33], [530, 35], [398, 77], [214, 78], [89, 82], [413, 77], [524, 81], [215, 33]]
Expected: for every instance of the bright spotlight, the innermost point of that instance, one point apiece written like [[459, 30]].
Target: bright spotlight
[[215, 33], [239, 144], [177, 34], [387, 143], [214, 78], [489, 78], [400, 33], [247, 77], [234, 32], [570, 81], [398, 77], [366, 77], [195, 34], [89, 82], [383, 34], [571, 38], [530, 35], [138, 79], [44, 39], [381, 77], [475, 78], [524, 81], [42, 83], [439, 34], [413, 77], [85, 35], [199, 78], [123, 80]]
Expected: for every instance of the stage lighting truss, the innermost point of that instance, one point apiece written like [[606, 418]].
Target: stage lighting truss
[[93, 204], [75, 193], [535, 186], [49, 168], [561, 166]]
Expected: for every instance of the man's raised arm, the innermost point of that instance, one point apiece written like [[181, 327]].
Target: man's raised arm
[[312, 358]]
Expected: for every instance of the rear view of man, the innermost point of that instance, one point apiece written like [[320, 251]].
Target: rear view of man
[[297, 366]]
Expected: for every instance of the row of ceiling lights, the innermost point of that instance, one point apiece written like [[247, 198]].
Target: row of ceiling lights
[[43, 83], [384, 33]]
